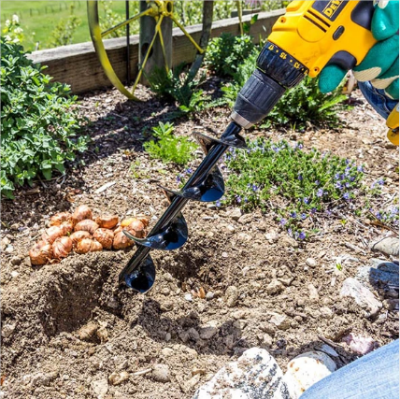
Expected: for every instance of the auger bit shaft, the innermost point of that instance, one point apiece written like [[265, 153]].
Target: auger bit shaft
[[170, 232]]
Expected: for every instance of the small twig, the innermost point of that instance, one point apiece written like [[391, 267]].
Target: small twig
[[141, 372]]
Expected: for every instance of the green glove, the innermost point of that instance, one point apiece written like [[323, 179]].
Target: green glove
[[381, 65]]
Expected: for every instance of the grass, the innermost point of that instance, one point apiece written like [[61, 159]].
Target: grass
[[39, 18]]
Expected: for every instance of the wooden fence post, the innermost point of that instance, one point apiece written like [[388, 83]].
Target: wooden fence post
[[147, 31]]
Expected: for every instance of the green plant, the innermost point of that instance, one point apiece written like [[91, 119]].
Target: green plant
[[176, 85], [225, 54], [12, 30], [168, 148], [110, 18], [64, 31], [38, 123], [300, 184]]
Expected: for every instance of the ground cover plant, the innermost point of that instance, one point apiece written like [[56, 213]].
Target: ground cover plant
[[301, 184], [39, 127]]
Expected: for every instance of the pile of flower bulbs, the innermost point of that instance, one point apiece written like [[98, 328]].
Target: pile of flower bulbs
[[81, 233]]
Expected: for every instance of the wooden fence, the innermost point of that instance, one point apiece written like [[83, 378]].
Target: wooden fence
[[78, 66]]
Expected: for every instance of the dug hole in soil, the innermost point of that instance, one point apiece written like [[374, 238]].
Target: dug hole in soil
[[69, 331]]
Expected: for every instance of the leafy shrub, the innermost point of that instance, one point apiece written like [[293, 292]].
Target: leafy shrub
[[64, 31], [299, 183], [12, 30], [169, 148], [176, 85], [38, 123], [226, 54], [299, 105]]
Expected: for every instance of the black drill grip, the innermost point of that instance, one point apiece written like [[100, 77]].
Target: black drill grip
[[256, 99]]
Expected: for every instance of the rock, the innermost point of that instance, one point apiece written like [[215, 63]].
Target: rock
[[117, 377], [102, 334], [313, 292], [326, 312], [14, 274], [235, 214], [192, 382], [193, 334], [288, 241], [311, 262], [362, 296], [167, 337], [274, 287], [208, 332], [160, 373], [281, 321], [391, 304], [100, 388], [254, 375], [245, 219], [8, 330], [166, 306], [231, 296], [388, 246], [184, 336], [358, 344], [266, 340], [209, 295], [16, 260], [88, 331], [167, 352], [168, 277], [120, 363], [165, 291], [40, 378], [272, 236], [188, 297], [329, 350], [9, 249], [381, 276], [307, 369]]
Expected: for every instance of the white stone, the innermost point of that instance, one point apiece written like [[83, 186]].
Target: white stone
[[311, 262], [100, 388], [281, 321], [307, 369], [362, 296], [388, 246], [231, 296], [313, 292], [208, 332], [254, 375], [272, 237], [274, 287]]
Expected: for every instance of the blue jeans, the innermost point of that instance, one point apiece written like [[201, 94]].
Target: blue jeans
[[382, 104], [373, 376]]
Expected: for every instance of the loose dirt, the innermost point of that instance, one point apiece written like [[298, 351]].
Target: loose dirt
[[66, 327]]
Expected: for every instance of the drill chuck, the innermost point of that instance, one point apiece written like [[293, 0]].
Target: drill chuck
[[276, 71]]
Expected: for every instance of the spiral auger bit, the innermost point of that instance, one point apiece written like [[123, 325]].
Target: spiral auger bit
[[170, 232]]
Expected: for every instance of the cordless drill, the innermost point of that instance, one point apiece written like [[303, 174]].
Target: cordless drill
[[311, 35]]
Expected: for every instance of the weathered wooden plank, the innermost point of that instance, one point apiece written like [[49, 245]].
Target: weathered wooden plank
[[78, 66]]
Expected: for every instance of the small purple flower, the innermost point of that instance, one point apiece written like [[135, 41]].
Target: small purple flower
[[316, 182], [352, 178], [328, 212], [293, 215], [313, 211], [218, 204], [300, 146], [360, 169], [306, 200], [290, 232], [346, 196], [320, 193], [303, 216], [395, 210], [188, 171], [347, 185], [255, 187], [378, 215], [302, 235], [246, 199], [275, 148], [381, 182], [337, 176], [283, 221], [300, 177], [238, 199], [338, 185], [347, 161], [179, 178]]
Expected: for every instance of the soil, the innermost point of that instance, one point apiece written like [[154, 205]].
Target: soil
[[67, 327]]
